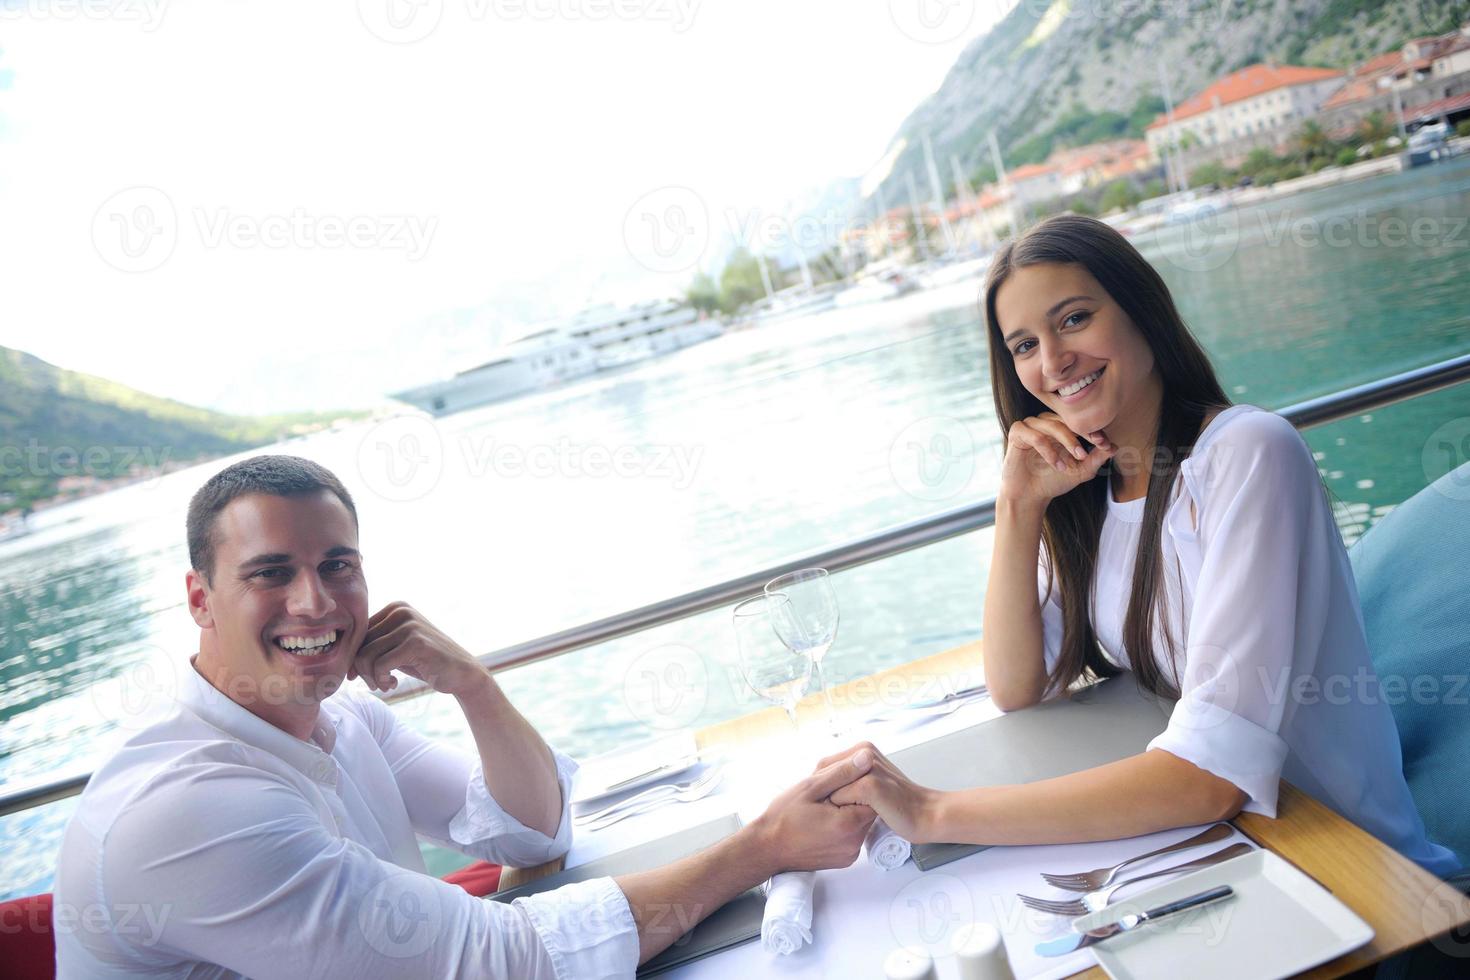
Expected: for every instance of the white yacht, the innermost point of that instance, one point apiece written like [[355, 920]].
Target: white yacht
[[599, 338]]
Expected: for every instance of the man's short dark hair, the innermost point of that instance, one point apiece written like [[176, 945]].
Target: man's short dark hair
[[278, 476]]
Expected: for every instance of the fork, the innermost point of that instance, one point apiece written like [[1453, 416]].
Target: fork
[[697, 791], [1096, 900], [652, 793], [1087, 881], [933, 708]]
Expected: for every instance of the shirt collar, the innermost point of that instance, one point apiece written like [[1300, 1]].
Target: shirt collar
[[209, 703]]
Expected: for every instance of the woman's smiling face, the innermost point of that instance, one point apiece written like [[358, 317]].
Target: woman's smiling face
[[1072, 345]]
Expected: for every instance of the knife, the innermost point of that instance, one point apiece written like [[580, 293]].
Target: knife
[[1069, 944]]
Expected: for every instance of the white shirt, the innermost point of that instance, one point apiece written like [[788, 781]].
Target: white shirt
[[214, 844], [1275, 679]]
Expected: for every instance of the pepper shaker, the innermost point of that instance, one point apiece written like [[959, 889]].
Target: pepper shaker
[[981, 953], [909, 963]]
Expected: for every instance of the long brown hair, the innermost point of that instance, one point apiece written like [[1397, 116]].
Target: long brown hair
[[1073, 523]]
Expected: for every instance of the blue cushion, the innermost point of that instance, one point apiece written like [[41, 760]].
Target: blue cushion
[[1410, 569]]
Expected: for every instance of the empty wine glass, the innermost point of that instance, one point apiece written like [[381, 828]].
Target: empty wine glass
[[807, 621], [769, 666]]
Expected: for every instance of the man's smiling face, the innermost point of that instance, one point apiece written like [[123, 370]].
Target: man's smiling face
[[286, 607]]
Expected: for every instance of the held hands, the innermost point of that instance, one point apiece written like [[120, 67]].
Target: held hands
[[400, 638], [906, 807], [802, 830], [1045, 459]]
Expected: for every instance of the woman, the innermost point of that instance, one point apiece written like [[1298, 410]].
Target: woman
[[1203, 536]]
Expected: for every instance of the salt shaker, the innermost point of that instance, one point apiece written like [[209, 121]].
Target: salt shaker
[[981, 953], [909, 963]]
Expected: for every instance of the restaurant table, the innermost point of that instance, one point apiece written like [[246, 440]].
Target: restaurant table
[[1404, 904]]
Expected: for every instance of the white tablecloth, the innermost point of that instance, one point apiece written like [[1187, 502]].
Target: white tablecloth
[[861, 912]]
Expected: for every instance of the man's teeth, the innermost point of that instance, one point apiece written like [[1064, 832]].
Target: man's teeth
[[310, 646], [1072, 389]]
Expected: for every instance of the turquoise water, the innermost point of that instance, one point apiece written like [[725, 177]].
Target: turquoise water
[[757, 447]]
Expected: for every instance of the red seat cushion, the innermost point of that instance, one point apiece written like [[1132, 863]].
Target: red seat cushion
[[27, 946], [479, 879]]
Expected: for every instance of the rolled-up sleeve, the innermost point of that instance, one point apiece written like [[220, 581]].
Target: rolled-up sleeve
[[1260, 603], [238, 870], [483, 827], [448, 802]]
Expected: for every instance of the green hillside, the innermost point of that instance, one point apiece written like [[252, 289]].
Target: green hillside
[[56, 423]]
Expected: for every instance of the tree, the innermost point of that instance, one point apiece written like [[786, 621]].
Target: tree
[[703, 294], [1116, 196], [1312, 142], [1258, 160], [1375, 126], [1212, 172], [740, 282]]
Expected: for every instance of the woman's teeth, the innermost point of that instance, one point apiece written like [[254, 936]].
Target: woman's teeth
[[1081, 383], [307, 646]]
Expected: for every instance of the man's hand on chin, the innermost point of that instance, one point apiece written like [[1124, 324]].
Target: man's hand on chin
[[400, 638], [803, 830]]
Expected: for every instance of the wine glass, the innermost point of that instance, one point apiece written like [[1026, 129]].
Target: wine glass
[[807, 621], [772, 669]]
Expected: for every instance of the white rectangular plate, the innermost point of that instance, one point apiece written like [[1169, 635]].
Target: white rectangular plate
[[1279, 922]]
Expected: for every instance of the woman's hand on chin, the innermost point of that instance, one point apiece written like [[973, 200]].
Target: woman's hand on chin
[[1045, 459], [905, 806]]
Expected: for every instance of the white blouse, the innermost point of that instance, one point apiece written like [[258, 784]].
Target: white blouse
[[215, 845], [1274, 672]]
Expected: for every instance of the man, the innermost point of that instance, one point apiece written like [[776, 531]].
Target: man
[[265, 828]]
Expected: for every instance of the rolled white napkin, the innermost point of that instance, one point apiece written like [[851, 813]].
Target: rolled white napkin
[[787, 925], [884, 848]]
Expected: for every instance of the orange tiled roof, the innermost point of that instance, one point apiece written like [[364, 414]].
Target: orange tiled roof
[[1030, 170], [1355, 90], [1133, 159], [1244, 84], [1379, 64]]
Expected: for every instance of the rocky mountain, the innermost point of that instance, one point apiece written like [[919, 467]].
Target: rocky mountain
[[1076, 71]]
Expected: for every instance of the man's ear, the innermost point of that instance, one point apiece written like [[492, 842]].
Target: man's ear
[[198, 594]]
